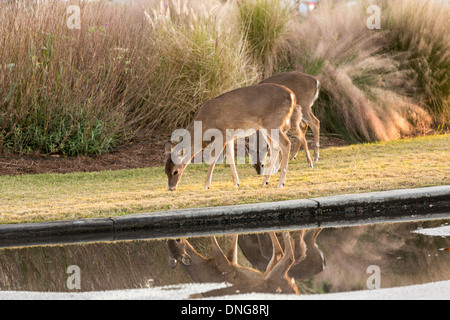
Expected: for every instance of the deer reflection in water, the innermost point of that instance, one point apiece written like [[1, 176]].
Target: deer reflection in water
[[277, 267], [225, 268], [309, 259]]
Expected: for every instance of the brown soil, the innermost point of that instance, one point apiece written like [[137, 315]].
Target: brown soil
[[137, 155]]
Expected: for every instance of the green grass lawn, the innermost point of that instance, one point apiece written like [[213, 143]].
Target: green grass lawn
[[409, 163]]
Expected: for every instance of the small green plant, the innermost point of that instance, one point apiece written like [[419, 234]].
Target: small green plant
[[63, 135]]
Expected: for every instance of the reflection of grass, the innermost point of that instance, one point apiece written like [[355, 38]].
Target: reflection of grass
[[102, 265], [409, 163]]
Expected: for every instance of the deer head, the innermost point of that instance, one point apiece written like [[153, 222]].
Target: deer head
[[174, 169]]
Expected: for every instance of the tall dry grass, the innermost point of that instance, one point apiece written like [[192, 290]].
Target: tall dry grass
[[141, 69], [419, 32], [266, 26], [369, 93], [195, 57], [132, 70], [66, 90]]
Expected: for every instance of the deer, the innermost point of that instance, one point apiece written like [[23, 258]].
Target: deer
[[309, 259], [225, 268], [307, 89], [264, 107]]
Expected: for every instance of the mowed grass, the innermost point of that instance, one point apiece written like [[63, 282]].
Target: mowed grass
[[409, 163]]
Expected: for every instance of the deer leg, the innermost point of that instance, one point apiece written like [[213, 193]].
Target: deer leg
[[230, 158], [296, 149], [285, 146], [276, 165], [297, 120], [277, 161], [301, 248], [315, 126], [288, 258], [209, 175], [268, 170], [277, 253], [300, 135], [281, 269], [211, 169], [232, 252]]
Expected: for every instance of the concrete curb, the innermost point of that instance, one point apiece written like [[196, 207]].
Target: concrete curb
[[423, 203], [385, 203]]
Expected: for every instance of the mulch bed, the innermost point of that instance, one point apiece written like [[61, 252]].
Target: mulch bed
[[137, 155]]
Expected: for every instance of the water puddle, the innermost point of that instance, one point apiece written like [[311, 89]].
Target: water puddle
[[303, 261]]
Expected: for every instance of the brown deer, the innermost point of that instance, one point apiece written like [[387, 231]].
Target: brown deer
[[263, 106], [309, 259], [306, 88], [223, 268]]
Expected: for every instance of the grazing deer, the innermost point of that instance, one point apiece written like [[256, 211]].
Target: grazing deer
[[309, 259], [263, 106], [306, 88], [223, 268]]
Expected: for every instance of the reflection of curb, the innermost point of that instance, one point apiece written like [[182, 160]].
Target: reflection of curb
[[397, 205]]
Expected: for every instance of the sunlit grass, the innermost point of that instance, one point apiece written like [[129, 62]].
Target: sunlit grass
[[410, 163]]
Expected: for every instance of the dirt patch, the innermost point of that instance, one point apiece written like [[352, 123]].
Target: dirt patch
[[138, 155]]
